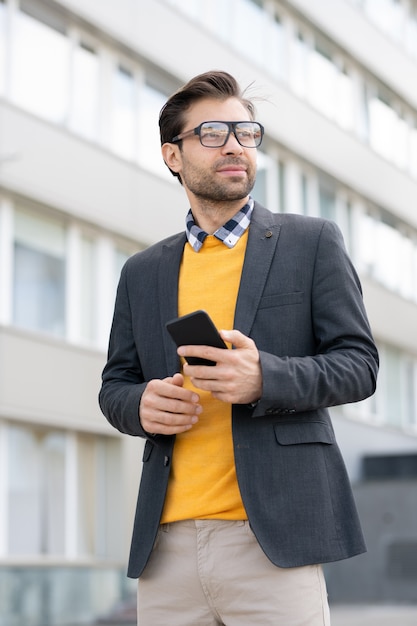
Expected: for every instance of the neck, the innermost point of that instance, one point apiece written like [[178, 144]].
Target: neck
[[210, 216]]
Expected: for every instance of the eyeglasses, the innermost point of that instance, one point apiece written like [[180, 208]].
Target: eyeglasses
[[216, 134]]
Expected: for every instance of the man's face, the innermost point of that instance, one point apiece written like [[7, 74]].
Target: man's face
[[216, 174]]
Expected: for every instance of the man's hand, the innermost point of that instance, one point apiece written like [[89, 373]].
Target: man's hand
[[237, 376], [166, 408]]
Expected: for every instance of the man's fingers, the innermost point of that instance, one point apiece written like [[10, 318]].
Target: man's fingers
[[167, 408]]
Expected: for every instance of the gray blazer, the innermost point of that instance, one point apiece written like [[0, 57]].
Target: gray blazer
[[300, 300]]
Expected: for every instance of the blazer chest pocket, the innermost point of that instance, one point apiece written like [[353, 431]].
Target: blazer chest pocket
[[281, 299], [293, 433]]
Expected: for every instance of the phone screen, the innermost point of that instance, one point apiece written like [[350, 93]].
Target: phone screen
[[195, 329]]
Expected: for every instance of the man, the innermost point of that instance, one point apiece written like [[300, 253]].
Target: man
[[244, 493]]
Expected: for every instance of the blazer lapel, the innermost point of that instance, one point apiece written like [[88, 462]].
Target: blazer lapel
[[262, 241]]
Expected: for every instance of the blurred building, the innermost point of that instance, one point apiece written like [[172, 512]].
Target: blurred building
[[82, 187]]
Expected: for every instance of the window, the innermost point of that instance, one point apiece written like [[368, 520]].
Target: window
[[323, 82], [410, 395], [99, 502], [40, 64], [395, 400], [299, 65], [151, 102], [2, 46], [387, 131], [36, 489], [344, 100], [397, 270], [411, 32], [62, 494], [248, 29], [87, 283], [388, 15], [413, 149], [391, 366], [275, 46], [39, 274], [85, 91], [327, 203], [124, 112]]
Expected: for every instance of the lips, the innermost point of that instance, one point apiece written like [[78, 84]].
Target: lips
[[232, 169]]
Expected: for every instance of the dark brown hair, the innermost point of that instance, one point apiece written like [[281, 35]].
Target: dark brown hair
[[214, 84]]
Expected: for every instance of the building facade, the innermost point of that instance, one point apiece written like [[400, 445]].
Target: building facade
[[81, 184]]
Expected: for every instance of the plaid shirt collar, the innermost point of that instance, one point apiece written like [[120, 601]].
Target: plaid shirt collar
[[229, 233]]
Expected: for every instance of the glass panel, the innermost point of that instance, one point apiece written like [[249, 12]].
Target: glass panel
[[40, 68], [110, 541], [327, 200], [124, 113], [53, 492], [25, 482], [400, 141], [383, 124], [86, 488], [85, 95], [222, 28], [299, 65], [87, 288], [282, 191], [387, 14], [322, 83], [39, 274], [404, 263], [249, 27], [36, 492], [275, 47], [2, 46], [52, 596], [413, 150], [414, 270], [392, 378], [345, 105], [304, 194], [412, 32], [366, 234], [120, 259], [99, 497], [410, 382], [151, 102], [387, 268], [259, 190]]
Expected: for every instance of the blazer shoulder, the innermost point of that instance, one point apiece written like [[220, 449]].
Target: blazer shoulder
[[154, 252], [299, 223]]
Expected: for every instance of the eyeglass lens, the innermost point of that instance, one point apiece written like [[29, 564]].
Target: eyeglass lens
[[215, 134]]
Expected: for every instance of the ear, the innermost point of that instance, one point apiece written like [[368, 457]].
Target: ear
[[171, 154]]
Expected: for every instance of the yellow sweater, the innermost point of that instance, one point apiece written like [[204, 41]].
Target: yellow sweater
[[203, 482]]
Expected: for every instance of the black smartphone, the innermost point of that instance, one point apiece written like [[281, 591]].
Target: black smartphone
[[195, 329]]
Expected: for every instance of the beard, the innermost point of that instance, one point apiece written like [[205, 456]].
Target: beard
[[205, 186]]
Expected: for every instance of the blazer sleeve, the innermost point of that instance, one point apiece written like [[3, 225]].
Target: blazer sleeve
[[122, 379], [344, 367]]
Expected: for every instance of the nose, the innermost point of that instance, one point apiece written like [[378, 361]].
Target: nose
[[232, 146]]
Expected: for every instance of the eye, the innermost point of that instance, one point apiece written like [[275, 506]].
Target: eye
[[213, 133]]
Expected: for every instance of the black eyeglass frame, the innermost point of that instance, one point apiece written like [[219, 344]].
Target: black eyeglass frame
[[232, 129]]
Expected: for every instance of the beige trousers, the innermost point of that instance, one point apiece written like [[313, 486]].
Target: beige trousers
[[213, 573]]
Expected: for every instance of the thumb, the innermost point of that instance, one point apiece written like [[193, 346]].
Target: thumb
[[178, 380], [236, 338]]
